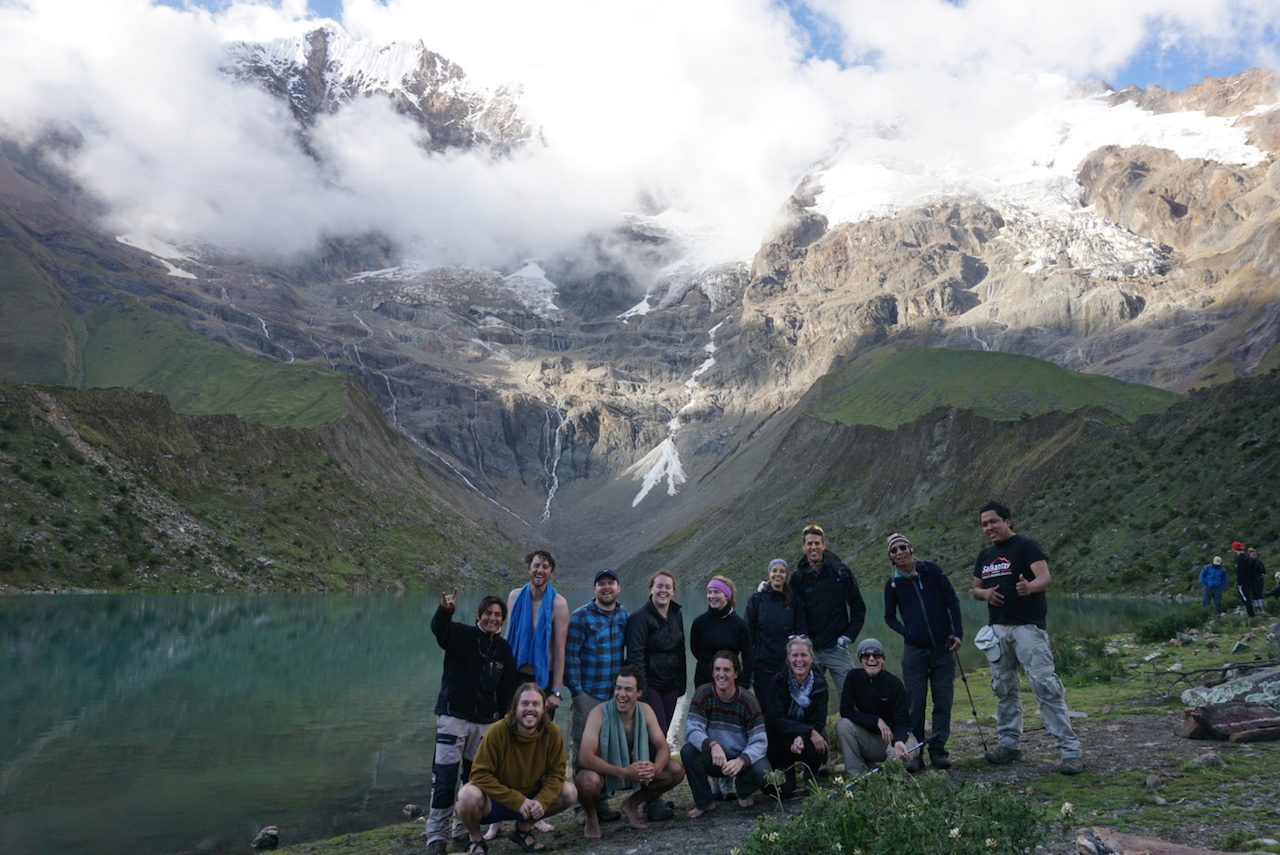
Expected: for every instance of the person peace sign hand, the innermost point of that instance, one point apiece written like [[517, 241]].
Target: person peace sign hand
[[449, 601]]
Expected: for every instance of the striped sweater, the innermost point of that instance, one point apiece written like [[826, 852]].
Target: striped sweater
[[738, 725]]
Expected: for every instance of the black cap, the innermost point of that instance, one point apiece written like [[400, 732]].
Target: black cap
[[605, 572]]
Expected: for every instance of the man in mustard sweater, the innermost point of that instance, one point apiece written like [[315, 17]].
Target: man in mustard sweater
[[518, 774]]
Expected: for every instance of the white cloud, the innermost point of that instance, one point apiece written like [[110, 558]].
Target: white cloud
[[708, 105]]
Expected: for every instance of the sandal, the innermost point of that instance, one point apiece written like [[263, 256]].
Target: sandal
[[477, 847], [525, 840]]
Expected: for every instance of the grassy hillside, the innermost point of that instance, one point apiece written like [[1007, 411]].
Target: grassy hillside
[[1121, 508], [36, 342], [890, 387], [132, 345], [113, 490]]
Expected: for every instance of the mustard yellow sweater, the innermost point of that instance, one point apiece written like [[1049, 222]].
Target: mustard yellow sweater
[[510, 767]]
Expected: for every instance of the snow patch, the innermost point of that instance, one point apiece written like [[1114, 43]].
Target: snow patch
[[663, 463], [153, 245]]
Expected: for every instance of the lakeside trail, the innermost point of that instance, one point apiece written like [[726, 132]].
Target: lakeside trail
[[1120, 753], [1139, 775]]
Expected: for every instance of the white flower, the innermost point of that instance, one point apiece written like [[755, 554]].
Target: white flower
[[955, 832], [839, 847], [1068, 808], [991, 844]]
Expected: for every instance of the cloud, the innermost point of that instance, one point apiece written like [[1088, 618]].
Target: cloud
[[711, 106]]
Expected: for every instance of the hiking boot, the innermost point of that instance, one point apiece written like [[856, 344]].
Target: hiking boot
[[941, 760], [1071, 765], [659, 811], [916, 766], [437, 847], [605, 813], [1003, 754]]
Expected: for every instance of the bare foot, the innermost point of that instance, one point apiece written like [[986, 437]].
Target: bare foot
[[631, 811], [543, 826], [697, 812], [746, 803], [495, 828], [591, 828]]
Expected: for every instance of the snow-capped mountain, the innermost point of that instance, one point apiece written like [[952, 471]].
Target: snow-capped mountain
[[325, 69]]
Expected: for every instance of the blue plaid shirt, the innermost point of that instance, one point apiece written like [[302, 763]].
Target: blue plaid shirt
[[595, 649]]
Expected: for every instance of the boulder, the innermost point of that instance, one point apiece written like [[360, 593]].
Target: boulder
[[1102, 841]]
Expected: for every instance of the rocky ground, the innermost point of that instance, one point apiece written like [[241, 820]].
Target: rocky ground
[[1116, 791]]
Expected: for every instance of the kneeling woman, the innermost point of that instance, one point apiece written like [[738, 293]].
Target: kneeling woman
[[795, 706]]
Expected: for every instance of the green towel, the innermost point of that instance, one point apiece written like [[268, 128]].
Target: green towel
[[613, 744]]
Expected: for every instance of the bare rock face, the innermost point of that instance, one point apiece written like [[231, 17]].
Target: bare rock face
[[1181, 203], [1215, 96]]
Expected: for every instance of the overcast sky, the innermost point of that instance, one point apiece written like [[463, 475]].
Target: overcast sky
[[716, 107]]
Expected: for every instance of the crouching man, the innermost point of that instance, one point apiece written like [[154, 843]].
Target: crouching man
[[518, 774], [623, 748], [724, 737], [874, 713]]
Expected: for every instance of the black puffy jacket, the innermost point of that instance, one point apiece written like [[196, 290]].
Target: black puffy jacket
[[656, 646], [771, 620]]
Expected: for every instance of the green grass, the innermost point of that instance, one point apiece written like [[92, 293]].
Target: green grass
[[37, 345], [136, 347], [888, 388]]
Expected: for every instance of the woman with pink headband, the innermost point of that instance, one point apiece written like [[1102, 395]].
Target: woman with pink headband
[[720, 628]]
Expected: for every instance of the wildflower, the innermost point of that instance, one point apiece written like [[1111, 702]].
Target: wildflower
[[955, 832], [991, 844], [1068, 809]]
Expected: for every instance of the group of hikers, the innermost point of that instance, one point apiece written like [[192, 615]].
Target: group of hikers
[[762, 681], [1250, 576]]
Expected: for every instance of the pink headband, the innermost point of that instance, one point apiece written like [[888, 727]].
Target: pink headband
[[716, 584]]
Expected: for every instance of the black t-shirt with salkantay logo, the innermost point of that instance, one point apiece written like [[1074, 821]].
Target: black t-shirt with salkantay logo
[[1000, 566]]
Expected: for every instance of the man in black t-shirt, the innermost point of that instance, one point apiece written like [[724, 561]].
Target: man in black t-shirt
[[1011, 575]]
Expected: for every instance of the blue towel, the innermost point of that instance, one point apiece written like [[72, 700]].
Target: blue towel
[[530, 647]]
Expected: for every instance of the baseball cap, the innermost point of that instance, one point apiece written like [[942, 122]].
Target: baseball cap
[[1217, 559], [1237, 545], [606, 572]]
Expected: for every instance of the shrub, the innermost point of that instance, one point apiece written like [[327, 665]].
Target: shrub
[[1165, 627], [1083, 659], [893, 812]]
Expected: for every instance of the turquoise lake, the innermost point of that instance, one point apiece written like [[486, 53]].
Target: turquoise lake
[[161, 724]]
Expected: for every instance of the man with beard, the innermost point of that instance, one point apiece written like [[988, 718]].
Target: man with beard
[[518, 774], [593, 654], [479, 681], [833, 606], [539, 628]]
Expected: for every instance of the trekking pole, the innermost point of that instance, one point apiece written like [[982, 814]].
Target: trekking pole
[[972, 705]]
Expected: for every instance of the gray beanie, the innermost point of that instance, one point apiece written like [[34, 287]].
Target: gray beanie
[[870, 645]]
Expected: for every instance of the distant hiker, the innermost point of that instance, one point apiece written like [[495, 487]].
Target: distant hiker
[[1010, 576], [1274, 592], [1246, 567], [623, 748], [539, 628], [479, 682], [724, 737], [773, 616], [720, 627], [875, 716], [1259, 578], [833, 606], [655, 645], [595, 650], [1213, 581], [931, 632], [795, 714], [518, 774]]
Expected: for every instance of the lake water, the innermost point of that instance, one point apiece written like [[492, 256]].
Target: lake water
[[157, 724]]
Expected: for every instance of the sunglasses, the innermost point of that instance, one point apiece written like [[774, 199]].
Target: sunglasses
[[899, 548], [871, 656]]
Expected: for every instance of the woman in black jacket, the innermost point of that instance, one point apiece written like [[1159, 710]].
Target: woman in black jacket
[[773, 616], [655, 645], [720, 627], [795, 714]]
